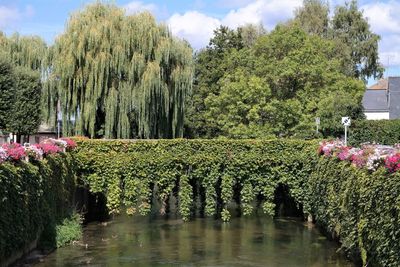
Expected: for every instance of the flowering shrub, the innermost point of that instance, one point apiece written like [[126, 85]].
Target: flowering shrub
[[34, 151], [14, 151], [49, 146], [392, 163], [69, 142], [371, 156]]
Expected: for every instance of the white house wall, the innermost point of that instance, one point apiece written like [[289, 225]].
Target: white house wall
[[377, 115]]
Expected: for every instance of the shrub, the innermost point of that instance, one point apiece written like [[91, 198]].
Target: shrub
[[69, 230], [385, 132]]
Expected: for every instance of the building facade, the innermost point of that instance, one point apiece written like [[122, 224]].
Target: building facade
[[381, 101]]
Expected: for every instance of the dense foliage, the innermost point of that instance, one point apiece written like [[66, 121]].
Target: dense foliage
[[20, 84], [119, 76], [275, 87], [386, 132], [125, 76], [69, 230], [24, 117], [6, 90], [356, 44], [357, 206], [361, 208], [35, 197], [212, 172]]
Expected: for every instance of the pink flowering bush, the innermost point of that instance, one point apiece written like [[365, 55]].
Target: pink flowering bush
[[49, 148], [392, 163], [70, 143], [34, 151], [14, 151], [370, 156]]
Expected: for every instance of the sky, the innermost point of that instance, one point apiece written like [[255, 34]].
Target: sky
[[195, 20]]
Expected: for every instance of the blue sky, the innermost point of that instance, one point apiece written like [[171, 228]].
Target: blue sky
[[195, 20]]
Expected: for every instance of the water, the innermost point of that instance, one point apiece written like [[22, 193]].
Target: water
[[257, 241]]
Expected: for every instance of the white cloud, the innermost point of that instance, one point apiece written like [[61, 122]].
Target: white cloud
[[10, 15], [193, 26], [198, 28], [384, 20], [383, 17], [268, 12], [139, 6]]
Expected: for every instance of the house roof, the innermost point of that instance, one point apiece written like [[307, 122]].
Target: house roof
[[382, 84], [375, 100]]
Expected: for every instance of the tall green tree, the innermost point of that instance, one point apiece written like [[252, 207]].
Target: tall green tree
[[20, 94], [25, 116], [119, 76], [351, 28], [7, 80], [25, 51], [313, 17], [211, 65]]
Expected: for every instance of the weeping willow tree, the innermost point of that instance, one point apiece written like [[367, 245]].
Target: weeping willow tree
[[24, 51], [119, 76]]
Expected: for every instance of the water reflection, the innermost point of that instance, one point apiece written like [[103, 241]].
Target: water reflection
[[257, 241]]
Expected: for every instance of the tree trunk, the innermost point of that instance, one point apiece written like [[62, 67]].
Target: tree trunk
[[18, 138]]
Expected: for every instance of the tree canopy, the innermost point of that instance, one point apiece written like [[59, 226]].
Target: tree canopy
[[20, 94], [119, 76], [280, 85], [350, 31], [7, 80]]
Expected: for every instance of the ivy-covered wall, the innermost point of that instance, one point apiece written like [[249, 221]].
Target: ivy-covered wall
[[359, 208], [34, 198], [215, 172]]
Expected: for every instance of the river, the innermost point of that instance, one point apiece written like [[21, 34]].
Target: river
[[145, 241]]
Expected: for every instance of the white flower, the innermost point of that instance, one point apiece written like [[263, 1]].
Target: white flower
[[3, 154]]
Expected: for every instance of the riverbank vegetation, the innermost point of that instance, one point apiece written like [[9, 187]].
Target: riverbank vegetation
[[35, 198]]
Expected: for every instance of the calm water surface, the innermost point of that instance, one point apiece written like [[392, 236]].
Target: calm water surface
[[140, 241]]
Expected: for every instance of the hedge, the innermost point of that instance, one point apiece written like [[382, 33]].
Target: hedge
[[34, 198], [386, 132], [359, 208]]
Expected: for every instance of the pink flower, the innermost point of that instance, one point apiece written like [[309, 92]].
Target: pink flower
[[392, 163], [48, 148], [70, 143], [14, 151]]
